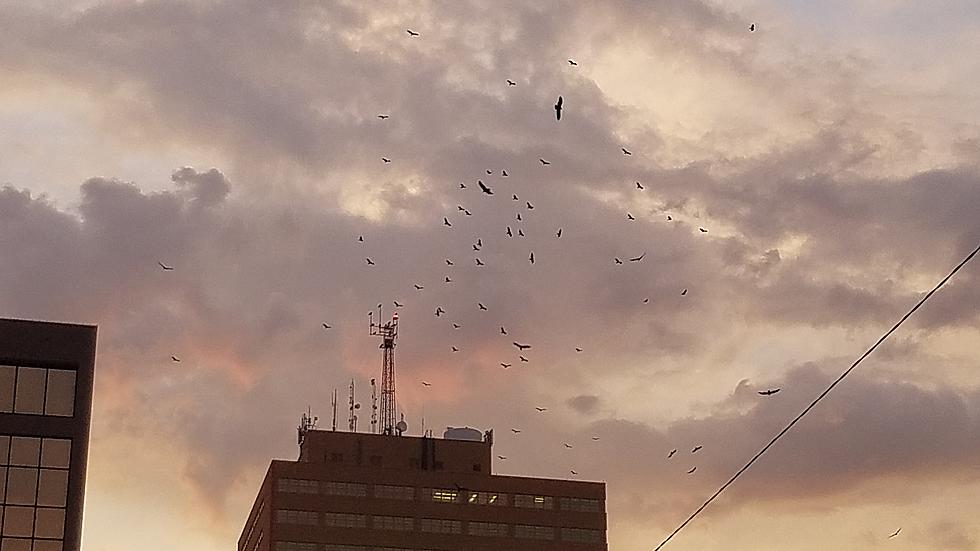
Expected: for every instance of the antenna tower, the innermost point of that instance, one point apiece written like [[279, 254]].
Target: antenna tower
[[352, 419], [333, 402], [388, 333], [306, 424], [374, 406]]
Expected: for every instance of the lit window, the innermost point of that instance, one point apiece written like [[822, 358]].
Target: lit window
[[533, 502], [444, 496]]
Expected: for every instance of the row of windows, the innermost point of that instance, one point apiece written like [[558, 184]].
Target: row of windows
[[438, 495], [26, 522], [36, 391], [300, 546], [438, 526], [33, 492], [22, 451], [22, 544], [255, 521]]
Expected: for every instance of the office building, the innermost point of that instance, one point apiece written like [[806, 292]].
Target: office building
[[46, 375], [353, 491]]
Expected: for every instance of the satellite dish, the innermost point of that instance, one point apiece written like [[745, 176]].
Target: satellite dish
[[401, 426], [357, 406]]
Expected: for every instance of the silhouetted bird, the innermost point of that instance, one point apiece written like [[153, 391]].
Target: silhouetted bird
[[692, 470], [175, 359], [503, 173], [489, 172], [531, 258], [448, 279], [467, 213], [509, 233], [684, 292], [519, 219], [515, 431], [696, 448], [426, 384], [595, 438], [567, 445], [573, 472], [669, 218], [418, 287], [625, 151], [456, 325], [703, 230], [165, 267], [523, 359], [360, 239], [540, 408], [572, 62], [462, 186], [502, 330], [671, 454], [479, 262], [476, 247], [638, 258], [445, 222], [520, 232], [383, 117], [502, 457], [455, 349], [326, 326], [529, 205], [385, 159], [439, 311], [558, 109], [769, 392], [544, 162], [479, 242], [522, 346], [558, 233], [449, 262], [484, 188], [895, 534], [460, 208], [752, 28], [398, 304], [646, 301], [617, 260], [514, 197], [369, 261], [577, 349], [411, 32], [629, 216], [511, 82], [505, 366], [639, 185], [482, 307]]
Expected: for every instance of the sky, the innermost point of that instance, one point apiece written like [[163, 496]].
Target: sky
[[832, 156]]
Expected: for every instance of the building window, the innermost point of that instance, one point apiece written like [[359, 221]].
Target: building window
[[344, 520], [298, 486], [491, 529], [534, 502], [291, 516], [444, 496], [534, 532], [383, 491], [295, 546], [394, 523], [441, 526], [581, 535], [484, 498], [33, 491], [353, 489], [580, 504], [258, 541], [255, 521], [36, 391]]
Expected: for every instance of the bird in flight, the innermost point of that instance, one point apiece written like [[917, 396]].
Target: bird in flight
[[519, 219], [418, 287], [529, 205], [484, 188], [479, 262], [445, 222], [503, 173], [558, 108], [439, 311], [411, 32], [175, 359], [595, 438], [360, 239], [618, 261], [638, 258], [626, 151], [509, 233], [577, 349], [514, 197], [448, 279], [482, 307], [692, 470], [386, 159], [325, 326], [523, 359], [540, 408], [573, 472], [502, 330], [630, 216], [383, 117], [671, 454], [703, 230], [462, 185], [567, 445], [456, 325], [455, 349], [398, 304], [646, 301], [520, 232], [684, 293], [572, 62], [502, 457], [669, 218], [467, 213], [769, 392], [895, 534], [752, 28], [522, 346], [449, 262], [426, 384], [489, 172], [558, 233], [165, 267], [696, 448], [639, 185], [369, 261], [511, 83], [544, 162], [476, 247], [515, 431], [531, 258], [505, 366]]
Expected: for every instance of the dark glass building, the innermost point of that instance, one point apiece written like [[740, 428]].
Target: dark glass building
[[46, 376]]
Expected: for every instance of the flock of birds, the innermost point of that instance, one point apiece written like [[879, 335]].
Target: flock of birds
[[485, 189]]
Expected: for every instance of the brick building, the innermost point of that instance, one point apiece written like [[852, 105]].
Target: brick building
[[352, 491]]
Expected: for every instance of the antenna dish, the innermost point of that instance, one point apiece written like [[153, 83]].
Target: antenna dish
[[401, 426]]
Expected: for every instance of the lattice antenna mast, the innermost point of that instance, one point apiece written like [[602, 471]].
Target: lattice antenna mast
[[306, 424], [333, 402], [354, 406], [374, 406], [388, 333]]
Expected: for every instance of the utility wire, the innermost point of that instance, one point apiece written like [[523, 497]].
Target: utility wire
[[922, 301]]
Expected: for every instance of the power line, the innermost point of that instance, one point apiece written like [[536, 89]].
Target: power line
[[922, 301]]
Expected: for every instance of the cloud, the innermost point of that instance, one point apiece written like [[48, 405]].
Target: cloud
[[585, 404]]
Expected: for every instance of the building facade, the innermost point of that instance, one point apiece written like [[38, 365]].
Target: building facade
[[46, 377], [371, 492]]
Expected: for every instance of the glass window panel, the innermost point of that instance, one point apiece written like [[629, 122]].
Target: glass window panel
[[48, 545], [29, 397], [56, 452], [3, 483], [7, 377], [4, 449], [52, 488], [60, 397], [49, 523], [11, 544], [17, 521], [21, 486], [25, 451]]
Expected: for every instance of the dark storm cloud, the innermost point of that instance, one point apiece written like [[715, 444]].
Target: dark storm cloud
[[585, 403]]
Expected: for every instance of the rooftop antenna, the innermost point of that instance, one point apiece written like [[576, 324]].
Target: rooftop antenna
[[352, 419], [306, 424], [333, 402], [374, 406], [388, 333]]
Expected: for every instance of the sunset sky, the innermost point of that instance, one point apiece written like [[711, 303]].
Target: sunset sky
[[833, 156]]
